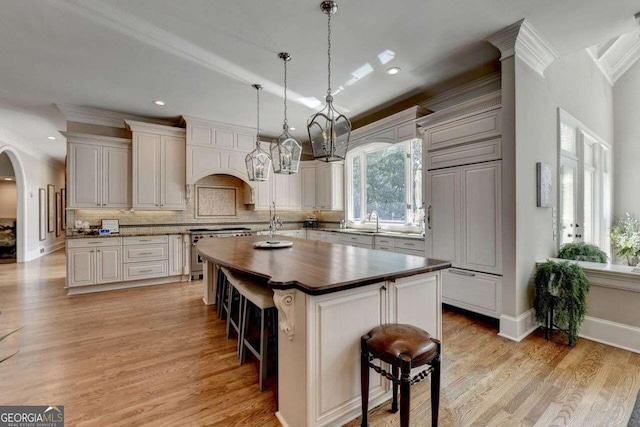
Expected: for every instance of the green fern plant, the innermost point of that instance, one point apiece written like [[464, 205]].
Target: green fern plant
[[581, 251], [562, 286], [2, 338]]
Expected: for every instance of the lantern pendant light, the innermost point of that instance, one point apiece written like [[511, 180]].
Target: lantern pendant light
[[285, 150], [329, 131], [258, 161]]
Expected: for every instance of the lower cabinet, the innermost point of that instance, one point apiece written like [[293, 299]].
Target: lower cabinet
[[336, 321], [98, 261], [477, 292]]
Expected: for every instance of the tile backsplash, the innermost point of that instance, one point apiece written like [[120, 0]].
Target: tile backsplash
[[245, 214]]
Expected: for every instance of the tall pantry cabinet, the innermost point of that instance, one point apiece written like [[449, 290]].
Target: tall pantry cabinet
[[464, 205]]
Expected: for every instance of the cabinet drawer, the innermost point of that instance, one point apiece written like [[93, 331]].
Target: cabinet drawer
[[359, 245], [144, 240], [384, 248], [316, 235], [413, 244], [385, 241], [356, 238], [146, 270], [146, 253], [468, 129], [91, 243], [477, 292], [472, 153]]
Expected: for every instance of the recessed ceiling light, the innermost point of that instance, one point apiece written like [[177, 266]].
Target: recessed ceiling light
[[393, 70], [159, 102], [51, 138], [292, 128]]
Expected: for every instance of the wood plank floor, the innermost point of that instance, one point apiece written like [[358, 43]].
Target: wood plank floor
[[158, 356]]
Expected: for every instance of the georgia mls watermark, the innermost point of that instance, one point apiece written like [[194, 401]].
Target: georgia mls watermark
[[31, 416]]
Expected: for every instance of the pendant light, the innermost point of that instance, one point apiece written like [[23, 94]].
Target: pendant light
[[285, 150], [258, 161], [329, 130]]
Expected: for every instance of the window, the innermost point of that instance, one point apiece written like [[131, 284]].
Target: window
[[584, 185], [386, 179]]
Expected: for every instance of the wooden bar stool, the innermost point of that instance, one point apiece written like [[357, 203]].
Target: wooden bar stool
[[233, 303], [221, 293], [403, 347], [259, 298]]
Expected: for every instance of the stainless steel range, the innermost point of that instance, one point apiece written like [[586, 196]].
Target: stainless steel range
[[204, 233]]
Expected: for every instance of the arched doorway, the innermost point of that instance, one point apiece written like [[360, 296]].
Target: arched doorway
[[21, 185]]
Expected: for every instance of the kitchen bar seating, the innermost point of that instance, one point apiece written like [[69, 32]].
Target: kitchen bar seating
[[254, 298], [403, 347]]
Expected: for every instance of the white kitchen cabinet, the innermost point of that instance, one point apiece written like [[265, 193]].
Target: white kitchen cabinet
[[94, 265], [158, 175], [464, 216], [108, 264], [178, 255], [462, 130], [409, 303], [322, 185], [477, 292], [481, 217], [308, 178], [98, 172], [284, 190], [443, 214]]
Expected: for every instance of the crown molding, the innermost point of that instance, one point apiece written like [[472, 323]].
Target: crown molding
[[626, 62], [190, 120], [136, 126], [100, 117], [469, 91], [21, 144], [522, 40], [403, 117], [601, 67]]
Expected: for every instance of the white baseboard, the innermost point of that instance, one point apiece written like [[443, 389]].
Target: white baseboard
[[517, 328], [31, 255], [280, 418], [611, 333]]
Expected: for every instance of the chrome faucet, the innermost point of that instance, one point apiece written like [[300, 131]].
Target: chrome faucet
[[372, 213], [274, 221]]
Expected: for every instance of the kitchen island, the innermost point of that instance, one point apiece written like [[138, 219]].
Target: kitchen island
[[327, 297]]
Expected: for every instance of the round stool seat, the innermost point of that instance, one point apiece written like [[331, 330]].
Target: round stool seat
[[388, 342]]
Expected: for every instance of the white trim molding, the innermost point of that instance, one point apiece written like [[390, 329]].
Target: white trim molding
[[25, 147], [490, 101], [100, 117], [31, 255], [522, 40], [611, 333], [518, 328], [490, 83], [615, 57]]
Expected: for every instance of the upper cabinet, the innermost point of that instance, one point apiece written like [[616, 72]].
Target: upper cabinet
[[98, 172], [284, 190], [322, 185], [158, 174]]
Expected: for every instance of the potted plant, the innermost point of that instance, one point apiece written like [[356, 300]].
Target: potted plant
[[580, 251], [560, 297], [625, 238]]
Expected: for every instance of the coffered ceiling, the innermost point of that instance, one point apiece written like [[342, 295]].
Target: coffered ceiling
[[201, 56]]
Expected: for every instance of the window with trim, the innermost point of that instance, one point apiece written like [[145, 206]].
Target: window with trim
[[386, 179], [584, 185]]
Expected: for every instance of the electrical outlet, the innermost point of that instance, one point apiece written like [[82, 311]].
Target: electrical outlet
[[41, 250]]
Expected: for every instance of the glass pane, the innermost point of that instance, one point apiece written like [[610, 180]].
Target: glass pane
[[587, 231], [386, 183], [567, 138], [417, 210], [568, 203], [588, 154], [356, 188]]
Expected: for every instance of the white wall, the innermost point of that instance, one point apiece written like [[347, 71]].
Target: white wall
[[576, 85], [8, 199], [626, 155], [38, 170]]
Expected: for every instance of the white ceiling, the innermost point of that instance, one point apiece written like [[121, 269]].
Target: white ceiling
[[200, 56]]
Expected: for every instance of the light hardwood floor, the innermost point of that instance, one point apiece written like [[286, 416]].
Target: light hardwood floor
[[158, 356]]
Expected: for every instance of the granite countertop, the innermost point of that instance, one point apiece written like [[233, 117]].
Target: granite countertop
[[125, 234]]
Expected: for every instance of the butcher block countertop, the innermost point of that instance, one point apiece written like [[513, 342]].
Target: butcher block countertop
[[314, 268]]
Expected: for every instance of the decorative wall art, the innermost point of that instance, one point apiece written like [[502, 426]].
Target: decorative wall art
[[51, 208], [63, 196], [58, 214], [215, 201], [42, 200], [544, 185]]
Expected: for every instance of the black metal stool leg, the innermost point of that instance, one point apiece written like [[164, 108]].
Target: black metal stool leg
[[364, 379], [405, 389]]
